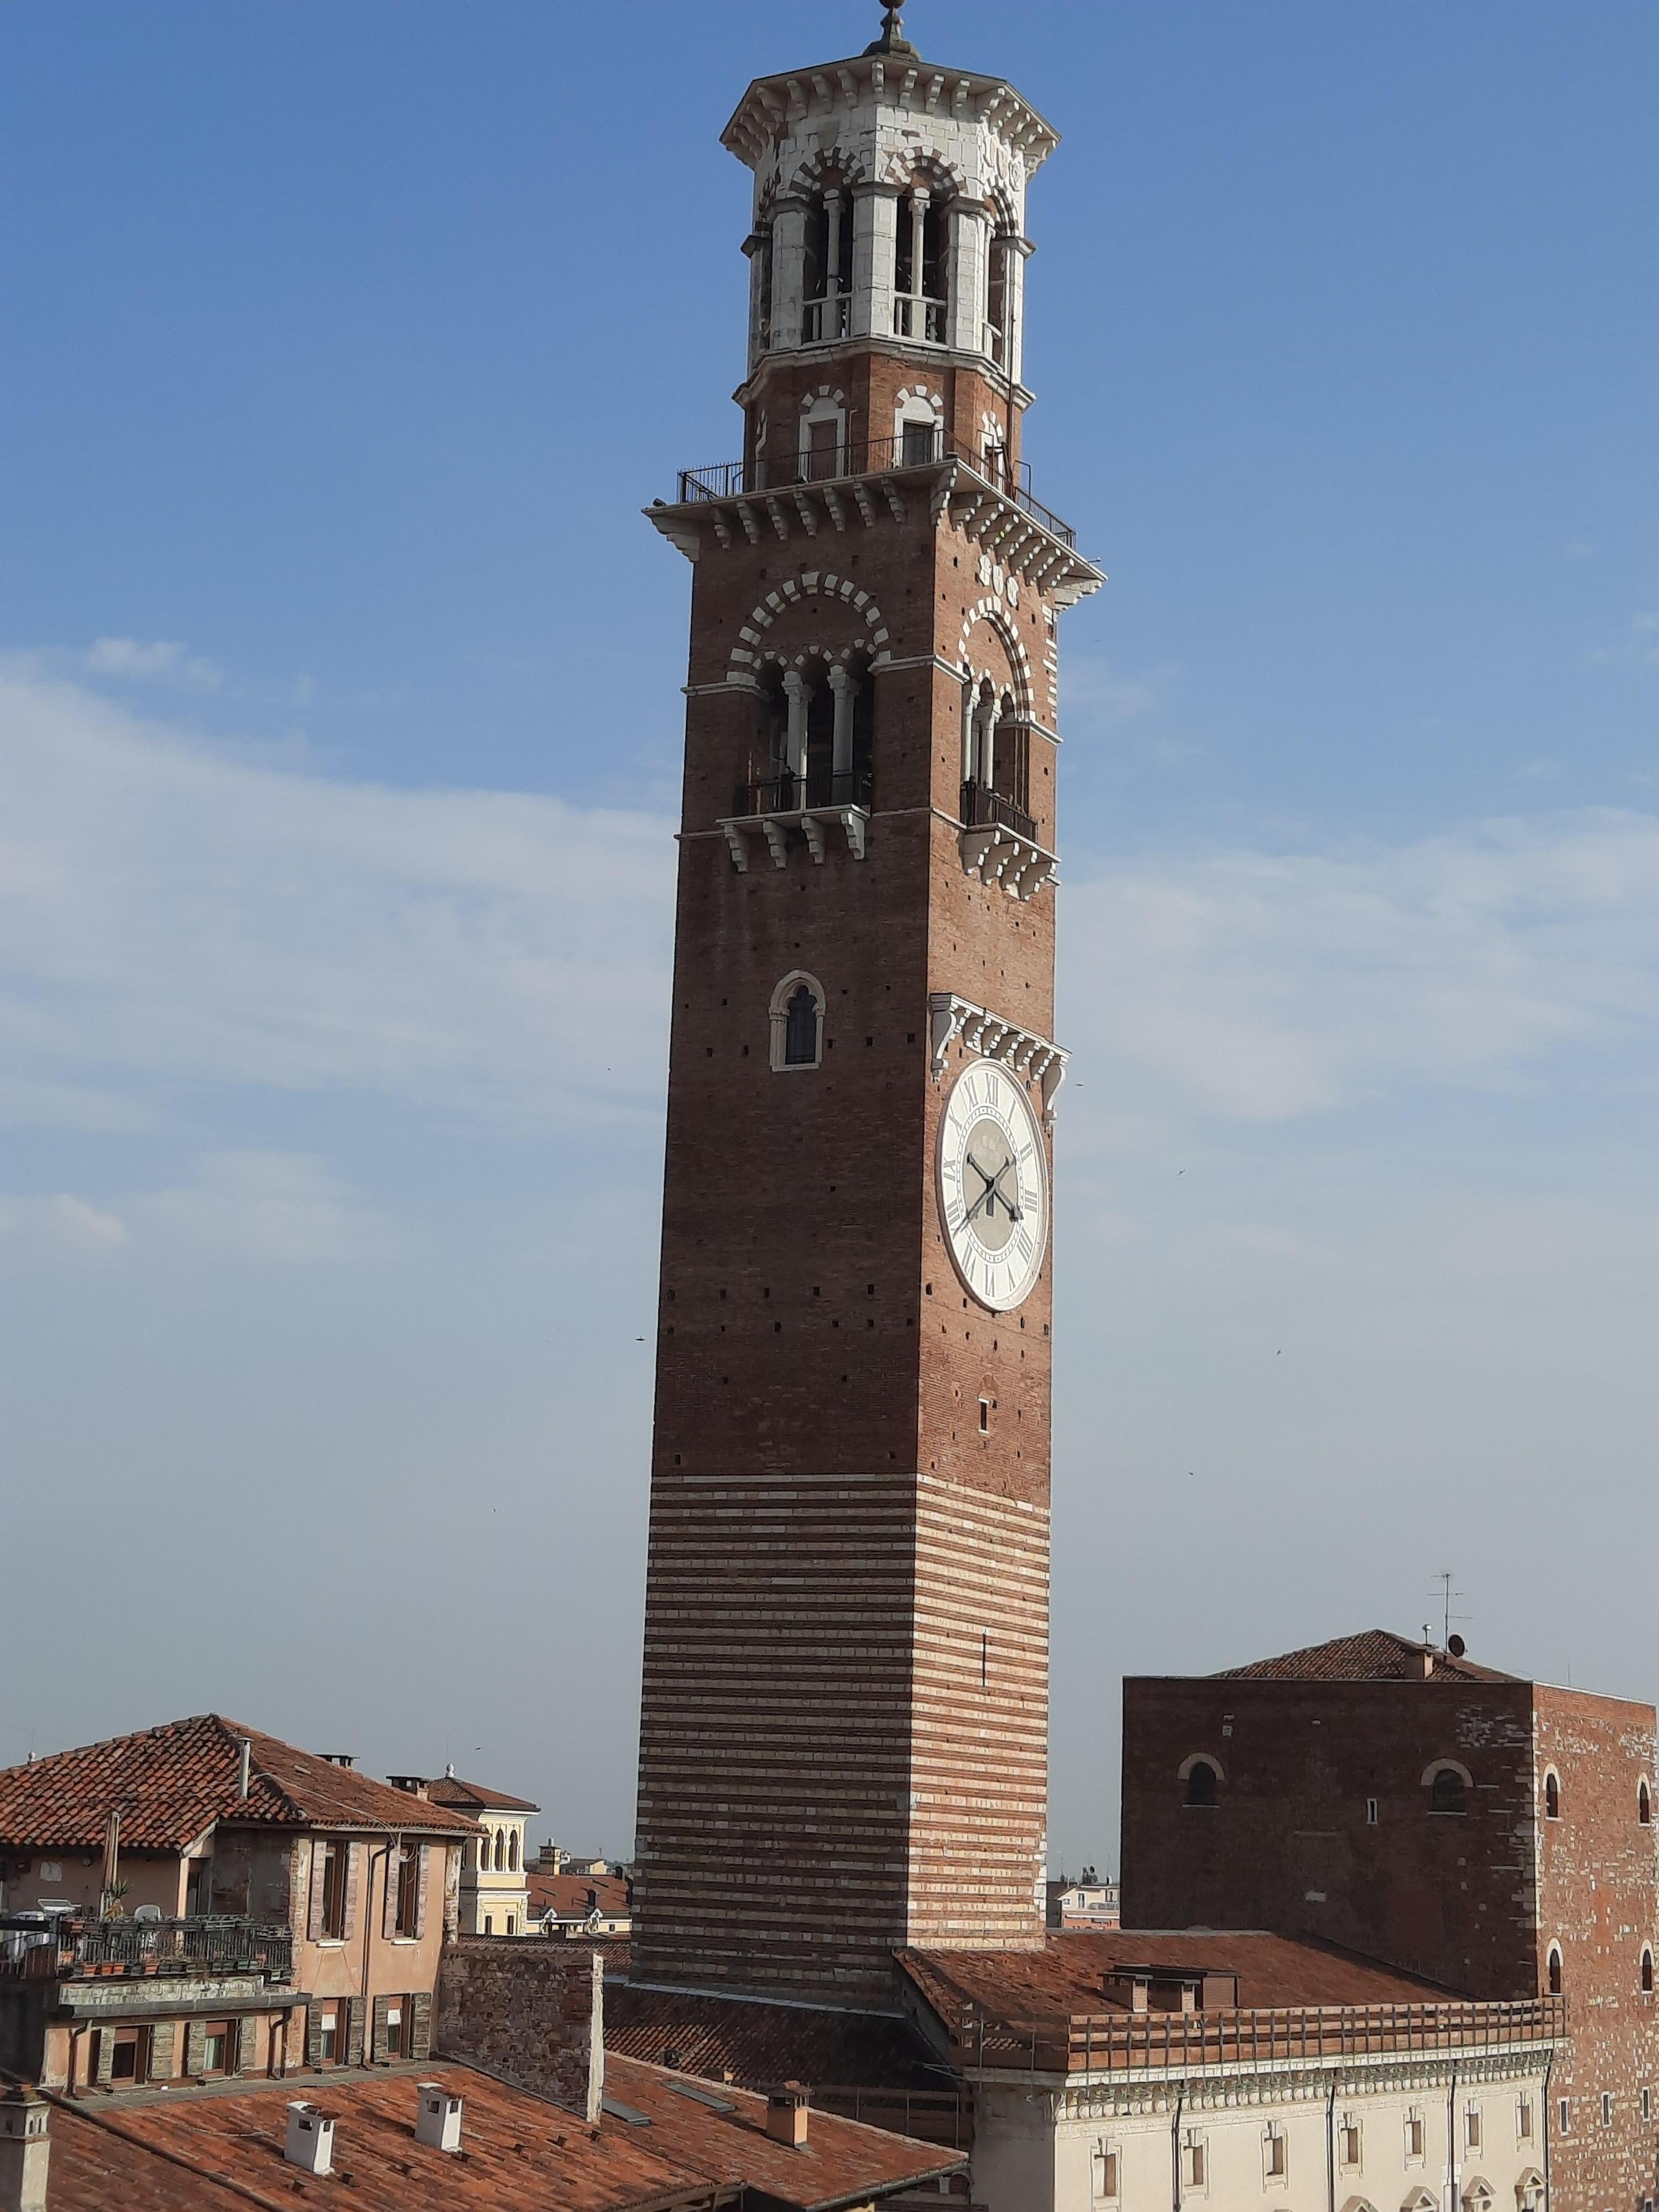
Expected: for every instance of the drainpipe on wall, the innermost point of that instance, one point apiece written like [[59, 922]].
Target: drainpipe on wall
[[1175, 2147], [384, 1852], [1451, 2142], [1330, 2148], [1549, 2068]]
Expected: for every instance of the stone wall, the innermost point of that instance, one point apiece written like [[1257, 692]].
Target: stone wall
[[530, 2011]]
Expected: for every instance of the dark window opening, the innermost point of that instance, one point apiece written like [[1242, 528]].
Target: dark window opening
[[408, 1915], [1643, 1804], [1551, 1798], [1647, 1972], [334, 1890], [1555, 1973], [1202, 1783], [1446, 1791], [920, 444], [800, 1032]]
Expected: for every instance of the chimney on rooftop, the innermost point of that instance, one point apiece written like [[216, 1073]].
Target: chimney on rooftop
[[1428, 1661], [412, 1785], [341, 1758], [310, 2144], [25, 2151], [438, 2119], [786, 2111]]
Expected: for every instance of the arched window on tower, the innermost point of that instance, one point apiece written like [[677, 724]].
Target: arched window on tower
[[512, 1852], [797, 1018], [1554, 1970], [996, 755], [996, 306], [500, 1851], [1647, 1970], [1202, 1784], [921, 295], [1644, 1803], [1551, 1797], [826, 312], [815, 739], [758, 247]]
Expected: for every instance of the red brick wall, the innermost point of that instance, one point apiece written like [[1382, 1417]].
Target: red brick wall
[[1475, 1902], [1289, 1848], [844, 1724], [1597, 1899]]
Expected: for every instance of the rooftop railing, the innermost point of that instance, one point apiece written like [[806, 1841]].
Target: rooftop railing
[[982, 808], [1115, 2043], [919, 448], [64, 1948], [795, 794]]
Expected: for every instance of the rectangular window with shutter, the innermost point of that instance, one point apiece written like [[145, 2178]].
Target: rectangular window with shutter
[[330, 1860], [406, 1919]]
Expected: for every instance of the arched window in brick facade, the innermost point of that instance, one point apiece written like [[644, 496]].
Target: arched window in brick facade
[[1644, 1803], [1554, 1970], [1448, 1784], [816, 739], [1552, 1796], [1647, 1970], [797, 1018], [1203, 1782]]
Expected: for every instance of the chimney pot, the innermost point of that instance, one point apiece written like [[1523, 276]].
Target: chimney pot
[[438, 2121], [310, 2144], [787, 2115], [25, 2151]]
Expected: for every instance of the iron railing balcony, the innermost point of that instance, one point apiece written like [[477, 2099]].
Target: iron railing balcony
[[66, 1947], [920, 447], [985, 809], [794, 794]]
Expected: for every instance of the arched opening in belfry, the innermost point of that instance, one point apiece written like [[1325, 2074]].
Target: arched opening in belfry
[[921, 285], [827, 269]]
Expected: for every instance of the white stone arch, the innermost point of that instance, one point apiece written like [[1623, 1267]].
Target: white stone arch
[[1190, 1767], [778, 1015], [993, 611], [917, 404], [926, 166], [847, 596], [1199, 1758], [1551, 1774], [824, 170], [1446, 1766]]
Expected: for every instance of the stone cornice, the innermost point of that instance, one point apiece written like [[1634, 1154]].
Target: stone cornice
[[775, 105]]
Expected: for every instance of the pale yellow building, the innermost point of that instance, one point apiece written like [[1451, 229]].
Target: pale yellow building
[[495, 1876]]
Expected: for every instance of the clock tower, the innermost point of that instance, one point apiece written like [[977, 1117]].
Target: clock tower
[[844, 1732]]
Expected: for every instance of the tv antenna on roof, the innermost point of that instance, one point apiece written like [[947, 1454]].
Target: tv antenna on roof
[[1447, 1595]]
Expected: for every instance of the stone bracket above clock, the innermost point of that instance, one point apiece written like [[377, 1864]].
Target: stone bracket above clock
[[1038, 1058]]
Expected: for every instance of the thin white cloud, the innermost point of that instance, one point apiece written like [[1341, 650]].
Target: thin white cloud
[[173, 916], [134, 658], [1254, 987]]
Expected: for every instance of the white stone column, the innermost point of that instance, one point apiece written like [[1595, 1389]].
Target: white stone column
[[986, 721], [841, 683], [919, 198], [875, 241], [970, 275], [796, 691], [758, 247], [967, 740], [833, 272], [788, 270], [1019, 252]]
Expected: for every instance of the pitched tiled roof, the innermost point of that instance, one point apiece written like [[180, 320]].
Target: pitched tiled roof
[[523, 2155], [568, 1894], [169, 1783], [449, 1789], [757, 2044], [1063, 1977], [1376, 1655]]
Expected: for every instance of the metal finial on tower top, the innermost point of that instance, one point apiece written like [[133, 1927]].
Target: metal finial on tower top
[[892, 39]]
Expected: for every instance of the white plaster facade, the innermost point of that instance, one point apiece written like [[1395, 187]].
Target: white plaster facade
[[1453, 2131]]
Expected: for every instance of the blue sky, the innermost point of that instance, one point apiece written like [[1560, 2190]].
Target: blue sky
[[340, 731]]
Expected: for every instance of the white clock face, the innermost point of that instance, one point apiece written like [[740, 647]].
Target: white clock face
[[993, 1185]]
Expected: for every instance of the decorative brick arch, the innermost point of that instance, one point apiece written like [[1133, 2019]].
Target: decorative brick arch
[[925, 165], [794, 591], [993, 612], [837, 168]]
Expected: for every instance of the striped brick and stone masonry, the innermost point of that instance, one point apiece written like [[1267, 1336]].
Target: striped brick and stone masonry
[[844, 1731]]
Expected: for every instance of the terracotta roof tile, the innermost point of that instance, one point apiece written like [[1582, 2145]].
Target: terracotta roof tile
[[169, 1783], [523, 2155], [450, 1789], [568, 1894], [760, 2043], [1063, 1977], [1376, 1655]]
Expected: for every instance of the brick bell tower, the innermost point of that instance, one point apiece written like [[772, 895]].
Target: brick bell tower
[[844, 1739]]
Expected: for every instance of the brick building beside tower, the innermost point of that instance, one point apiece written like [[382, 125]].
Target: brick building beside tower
[[1493, 1835], [844, 1736]]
